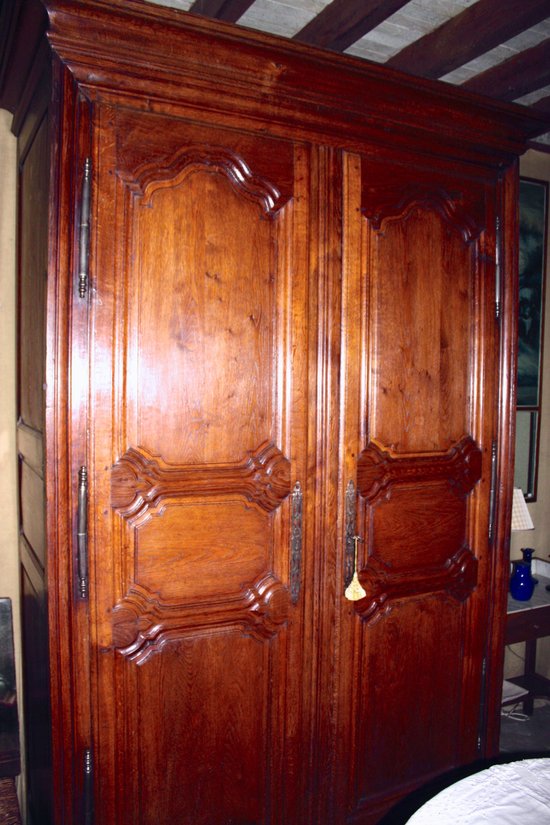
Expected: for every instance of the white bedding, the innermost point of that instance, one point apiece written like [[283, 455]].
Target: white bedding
[[517, 793]]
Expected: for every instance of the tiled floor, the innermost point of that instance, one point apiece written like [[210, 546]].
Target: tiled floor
[[530, 735]]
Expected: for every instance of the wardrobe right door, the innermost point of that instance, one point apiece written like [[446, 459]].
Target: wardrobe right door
[[419, 344]]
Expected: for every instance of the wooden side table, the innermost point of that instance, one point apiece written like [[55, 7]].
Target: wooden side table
[[9, 806], [527, 622], [9, 722]]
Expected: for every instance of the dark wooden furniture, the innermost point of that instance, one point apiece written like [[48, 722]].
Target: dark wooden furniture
[[10, 757], [527, 622], [278, 327], [9, 804]]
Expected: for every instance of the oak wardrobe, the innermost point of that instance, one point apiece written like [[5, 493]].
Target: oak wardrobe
[[267, 323]]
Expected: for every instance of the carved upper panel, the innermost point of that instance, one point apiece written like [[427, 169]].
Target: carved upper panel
[[390, 202], [423, 263], [378, 468], [151, 177], [140, 481]]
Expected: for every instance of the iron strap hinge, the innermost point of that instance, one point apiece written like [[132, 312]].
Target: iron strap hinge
[[498, 268], [482, 706], [82, 533], [88, 788], [84, 230], [493, 492]]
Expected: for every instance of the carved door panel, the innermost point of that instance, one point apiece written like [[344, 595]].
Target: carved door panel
[[199, 485], [417, 436]]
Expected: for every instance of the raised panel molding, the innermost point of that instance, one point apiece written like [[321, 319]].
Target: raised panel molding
[[151, 177], [378, 471], [457, 577], [379, 468], [141, 481], [380, 204], [142, 623]]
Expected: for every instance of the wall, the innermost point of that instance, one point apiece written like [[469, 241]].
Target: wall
[[537, 165], [8, 535], [9, 565]]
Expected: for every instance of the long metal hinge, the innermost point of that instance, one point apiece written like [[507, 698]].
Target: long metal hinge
[[482, 706], [82, 533], [84, 230], [493, 492], [498, 267], [88, 788]]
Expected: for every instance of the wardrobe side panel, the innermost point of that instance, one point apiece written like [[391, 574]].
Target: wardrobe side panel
[[33, 170]]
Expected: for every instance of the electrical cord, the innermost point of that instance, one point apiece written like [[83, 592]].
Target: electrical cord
[[516, 715]]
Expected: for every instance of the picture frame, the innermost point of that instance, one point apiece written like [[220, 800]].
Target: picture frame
[[533, 223]]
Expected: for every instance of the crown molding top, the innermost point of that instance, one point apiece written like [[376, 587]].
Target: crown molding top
[[258, 76]]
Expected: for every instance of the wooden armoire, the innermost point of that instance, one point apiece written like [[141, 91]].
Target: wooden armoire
[[267, 336]]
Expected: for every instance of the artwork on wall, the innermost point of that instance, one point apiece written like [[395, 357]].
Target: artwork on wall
[[533, 217], [532, 226]]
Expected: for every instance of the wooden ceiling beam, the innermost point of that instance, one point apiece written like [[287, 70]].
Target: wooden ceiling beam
[[542, 105], [524, 73], [344, 22], [229, 10], [467, 35]]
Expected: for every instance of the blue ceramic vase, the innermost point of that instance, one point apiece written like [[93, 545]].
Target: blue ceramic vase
[[522, 582]]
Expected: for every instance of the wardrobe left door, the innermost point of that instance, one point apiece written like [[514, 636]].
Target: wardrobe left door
[[199, 493], [33, 187]]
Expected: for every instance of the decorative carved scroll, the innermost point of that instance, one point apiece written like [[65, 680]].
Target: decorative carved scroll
[[150, 177], [457, 577], [378, 468], [142, 623], [383, 203], [140, 481]]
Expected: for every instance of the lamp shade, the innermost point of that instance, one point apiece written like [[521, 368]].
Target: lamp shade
[[521, 519]]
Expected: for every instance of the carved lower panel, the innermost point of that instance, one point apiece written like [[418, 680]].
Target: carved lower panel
[[378, 468], [142, 623], [140, 481], [417, 543], [457, 577]]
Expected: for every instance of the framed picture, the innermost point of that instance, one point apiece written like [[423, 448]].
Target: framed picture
[[533, 219], [533, 200]]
